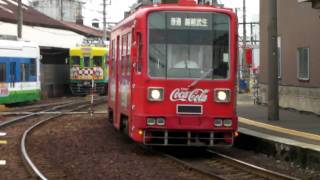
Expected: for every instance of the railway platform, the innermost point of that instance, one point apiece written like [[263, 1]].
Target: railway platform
[[296, 136]]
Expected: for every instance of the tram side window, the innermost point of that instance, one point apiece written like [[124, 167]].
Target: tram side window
[[13, 76], [113, 57], [2, 72], [75, 60], [123, 54], [33, 67], [139, 63], [97, 61], [24, 72], [128, 54], [86, 61]]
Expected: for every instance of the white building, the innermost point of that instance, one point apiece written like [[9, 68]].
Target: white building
[[54, 37], [65, 10]]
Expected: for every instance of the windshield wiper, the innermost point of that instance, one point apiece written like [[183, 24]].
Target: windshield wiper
[[200, 78]]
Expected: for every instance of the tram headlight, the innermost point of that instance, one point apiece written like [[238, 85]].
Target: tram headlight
[[155, 94], [151, 121], [222, 95], [218, 122], [227, 122], [161, 121]]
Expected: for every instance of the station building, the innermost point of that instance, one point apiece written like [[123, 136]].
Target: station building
[[54, 38], [299, 55]]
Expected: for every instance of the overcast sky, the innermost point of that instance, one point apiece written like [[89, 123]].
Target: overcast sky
[[117, 8], [93, 9]]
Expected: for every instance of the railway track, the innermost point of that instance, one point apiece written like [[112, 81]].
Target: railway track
[[20, 111], [37, 107], [219, 166], [18, 129]]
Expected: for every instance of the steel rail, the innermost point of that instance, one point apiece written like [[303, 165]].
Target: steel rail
[[259, 170], [5, 123], [24, 152], [190, 166], [54, 112], [37, 106], [61, 105], [246, 167]]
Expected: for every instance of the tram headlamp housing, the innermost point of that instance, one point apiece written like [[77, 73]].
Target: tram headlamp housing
[[151, 121], [218, 122], [221, 122], [161, 121], [155, 94], [222, 95], [227, 122]]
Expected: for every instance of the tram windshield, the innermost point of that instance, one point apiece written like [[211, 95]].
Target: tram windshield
[[97, 61], [86, 61], [75, 60], [188, 45]]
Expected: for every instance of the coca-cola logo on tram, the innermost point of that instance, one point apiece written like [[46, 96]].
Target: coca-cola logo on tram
[[186, 95]]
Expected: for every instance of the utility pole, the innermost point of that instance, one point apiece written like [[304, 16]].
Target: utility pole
[[104, 37], [61, 10], [273, 92], [251, 34], [20, 19]]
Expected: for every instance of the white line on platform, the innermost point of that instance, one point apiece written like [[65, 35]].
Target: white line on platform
[[3, 162], [3, 134]]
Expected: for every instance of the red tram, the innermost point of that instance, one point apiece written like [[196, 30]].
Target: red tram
[[173, 74]]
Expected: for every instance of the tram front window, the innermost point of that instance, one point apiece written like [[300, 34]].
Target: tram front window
[[97, 61], [86, 61], [188, 44], [75, 60]]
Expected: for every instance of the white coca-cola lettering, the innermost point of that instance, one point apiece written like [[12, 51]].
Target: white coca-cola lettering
[[183, 94]]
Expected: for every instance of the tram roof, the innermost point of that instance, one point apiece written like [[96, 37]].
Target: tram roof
[[170, 6]]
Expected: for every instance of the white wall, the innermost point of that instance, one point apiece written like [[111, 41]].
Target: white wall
[[52, 8], [45, 37]]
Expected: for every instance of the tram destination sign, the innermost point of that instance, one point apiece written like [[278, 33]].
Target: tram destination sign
[[189, 21]]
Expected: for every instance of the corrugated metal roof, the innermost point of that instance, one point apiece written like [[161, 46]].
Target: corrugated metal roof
[[9, 9], [31, 16], [84, 29]]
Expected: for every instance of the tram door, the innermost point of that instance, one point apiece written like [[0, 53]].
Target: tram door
[[12, 74]]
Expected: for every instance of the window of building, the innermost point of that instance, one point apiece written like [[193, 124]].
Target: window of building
[[2, 72], [303, 63], [35, 3]]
